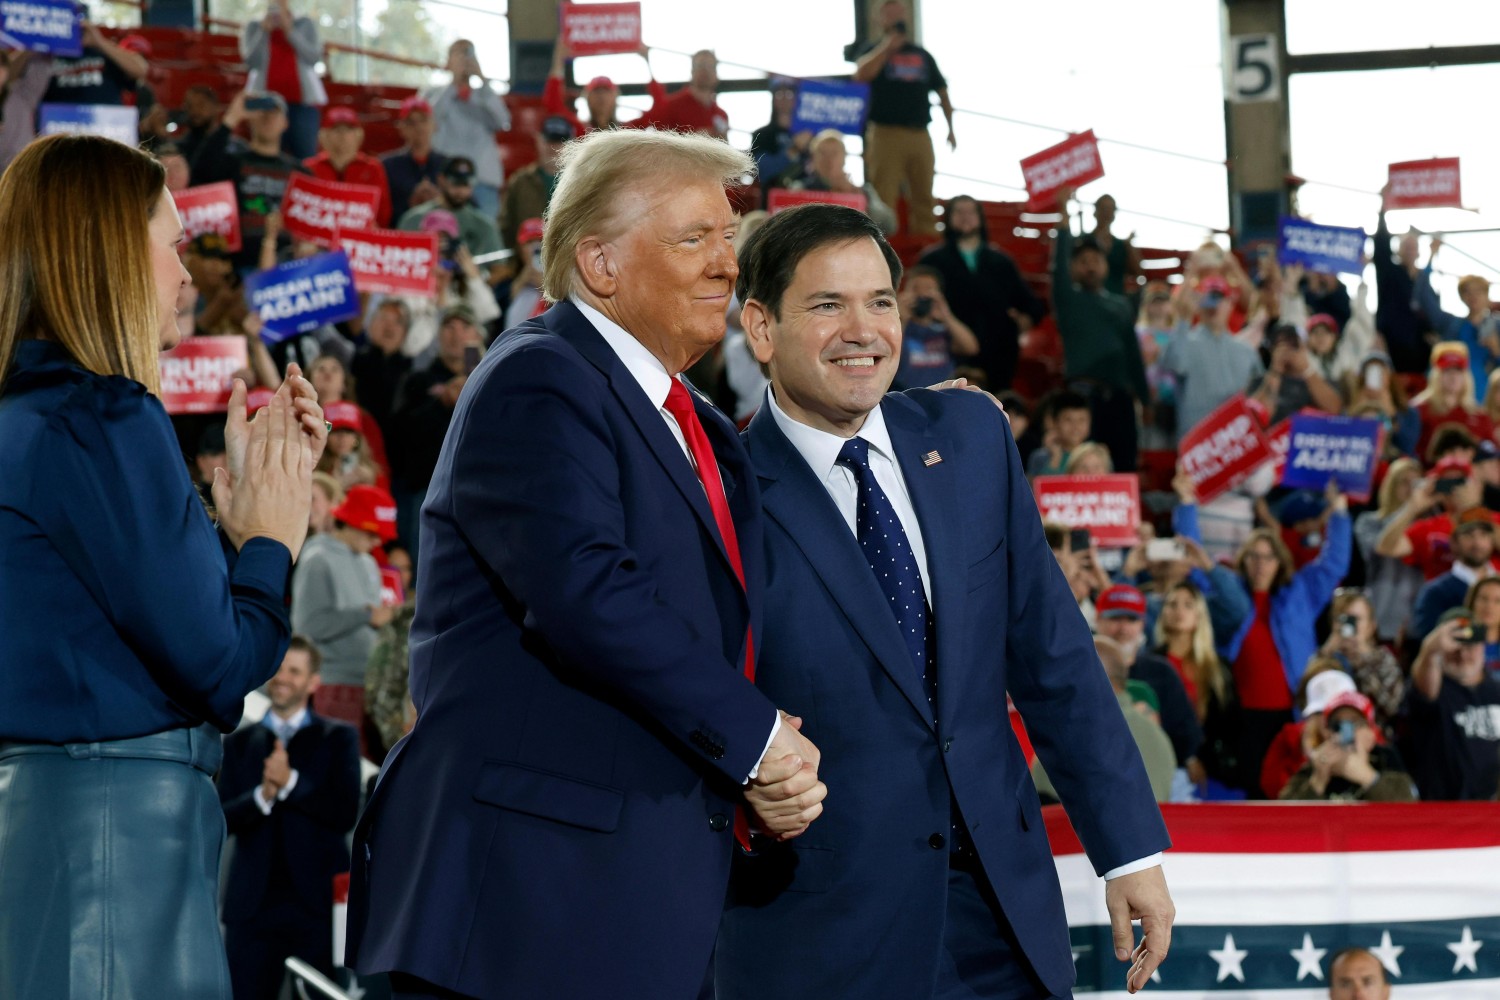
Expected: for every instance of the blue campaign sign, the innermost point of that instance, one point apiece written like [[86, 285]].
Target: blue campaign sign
[[821, 105], [117, 123], [302, 295], [1322, 447], [1330, 249], [52, 26]]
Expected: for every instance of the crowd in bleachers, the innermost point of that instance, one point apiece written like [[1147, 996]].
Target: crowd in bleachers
[[1279, 642]]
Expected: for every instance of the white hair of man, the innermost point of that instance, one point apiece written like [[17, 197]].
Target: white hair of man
[[599, 176]]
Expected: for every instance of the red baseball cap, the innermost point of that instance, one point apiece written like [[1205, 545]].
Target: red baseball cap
[[600, 82], [257, 399], [530, 231], [344, 416], [1214, 283], [412, 105], [1121, 601], [1453, 467], [1351, 699], [368, 508], [139, 44], [1322, 319], [340, 114], [1450, 355]]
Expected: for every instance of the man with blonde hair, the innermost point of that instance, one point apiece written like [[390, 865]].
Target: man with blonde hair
[[589, 742]]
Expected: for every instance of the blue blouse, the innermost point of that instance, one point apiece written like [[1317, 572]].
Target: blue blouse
[[120, 614]]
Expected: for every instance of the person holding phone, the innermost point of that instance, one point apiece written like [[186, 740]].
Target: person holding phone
[[932, 334], [132, 627], [1453, 714], [1352, 642], [468, 113], [282, 52], [1349, 762]]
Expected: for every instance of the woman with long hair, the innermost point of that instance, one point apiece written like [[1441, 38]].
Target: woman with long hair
[[1272, 648], [1390, 584], [1184, 635], [130, 631], [1449, 397], [1374, 390]]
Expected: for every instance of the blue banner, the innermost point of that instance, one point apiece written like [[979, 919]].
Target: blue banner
[[823, 105], [52, 26], [1330, 249], [302, 295], [112, 122], [1322, 447]]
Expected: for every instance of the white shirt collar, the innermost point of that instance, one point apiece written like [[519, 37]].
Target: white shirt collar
[[646, 368], [1466, 574], [275, 721], [819, 448]]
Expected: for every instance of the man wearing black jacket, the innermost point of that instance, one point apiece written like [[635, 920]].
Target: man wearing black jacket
[[424, 408], [290, 790], [1399, 319], [985, 290]]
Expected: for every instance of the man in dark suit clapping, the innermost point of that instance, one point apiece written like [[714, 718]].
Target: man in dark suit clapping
[[290, 788]]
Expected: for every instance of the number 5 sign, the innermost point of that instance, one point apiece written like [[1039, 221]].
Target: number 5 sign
[[1253, 69]]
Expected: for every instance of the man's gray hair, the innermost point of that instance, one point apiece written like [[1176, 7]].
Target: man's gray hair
[[596, 174]]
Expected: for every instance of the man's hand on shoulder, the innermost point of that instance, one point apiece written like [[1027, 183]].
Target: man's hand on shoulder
[[1140, 896], [785, 794], [963, 383]]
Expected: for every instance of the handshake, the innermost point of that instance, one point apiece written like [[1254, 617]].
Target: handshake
[[785, 795]]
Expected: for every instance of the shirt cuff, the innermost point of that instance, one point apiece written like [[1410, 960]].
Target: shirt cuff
[[1135, 866], [291, 783], [775, 728], [261, 803]]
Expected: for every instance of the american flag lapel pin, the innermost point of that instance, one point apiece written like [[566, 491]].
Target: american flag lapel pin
[[931, 458]]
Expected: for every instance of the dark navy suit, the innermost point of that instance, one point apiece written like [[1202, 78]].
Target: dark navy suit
[[856, 906], [558, 824], [278, 898]]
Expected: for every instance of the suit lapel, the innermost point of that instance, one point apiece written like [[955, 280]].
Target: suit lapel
[[935, 497], [794, 497], [565, 320]]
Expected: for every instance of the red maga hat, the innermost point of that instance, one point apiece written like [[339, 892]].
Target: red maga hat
[[368, 508]]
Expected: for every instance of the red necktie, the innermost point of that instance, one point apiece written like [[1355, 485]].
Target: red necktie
[[680, 405]]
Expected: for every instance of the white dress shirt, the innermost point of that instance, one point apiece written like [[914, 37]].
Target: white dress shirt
[[655, 381], [820, 450], [277, 724]]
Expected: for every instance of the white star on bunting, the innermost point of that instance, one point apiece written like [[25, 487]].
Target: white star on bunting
[[1464, 951], [1389, 954], [1229, 958], [1309, 959]]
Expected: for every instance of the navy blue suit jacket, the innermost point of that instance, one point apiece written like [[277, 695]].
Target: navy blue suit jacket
[[311, 824], [558, 823], [855, 906]]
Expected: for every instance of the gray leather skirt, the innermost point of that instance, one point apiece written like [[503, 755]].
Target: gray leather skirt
[[109, 864]]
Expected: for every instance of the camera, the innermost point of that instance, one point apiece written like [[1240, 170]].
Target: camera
[[1164, 550], [1468, 635], [1348, 626], [1078, 539], [922, 307], [1346, 733], [1446, 486], [899, 28]]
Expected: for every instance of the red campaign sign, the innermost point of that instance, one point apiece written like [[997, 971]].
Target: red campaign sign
[[1071, 163], [198, 373], [392, 594], [1109, 506], [594, 29], [1225, 447], [1424, 184], [392, 262], [211, 208], [317, 210], [780, 198]]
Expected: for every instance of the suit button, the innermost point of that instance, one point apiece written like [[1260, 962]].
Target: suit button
[[718, 822], [937, 842], [947, 745]]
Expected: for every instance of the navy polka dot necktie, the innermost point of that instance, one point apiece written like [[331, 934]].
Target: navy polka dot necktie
[[889, 553]]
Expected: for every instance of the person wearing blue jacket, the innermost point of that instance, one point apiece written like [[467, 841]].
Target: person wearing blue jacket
[[1478, 330], [1269, 652], [130, 629]]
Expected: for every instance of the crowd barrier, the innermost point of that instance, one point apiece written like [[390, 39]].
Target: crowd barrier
[[1267, 894]]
